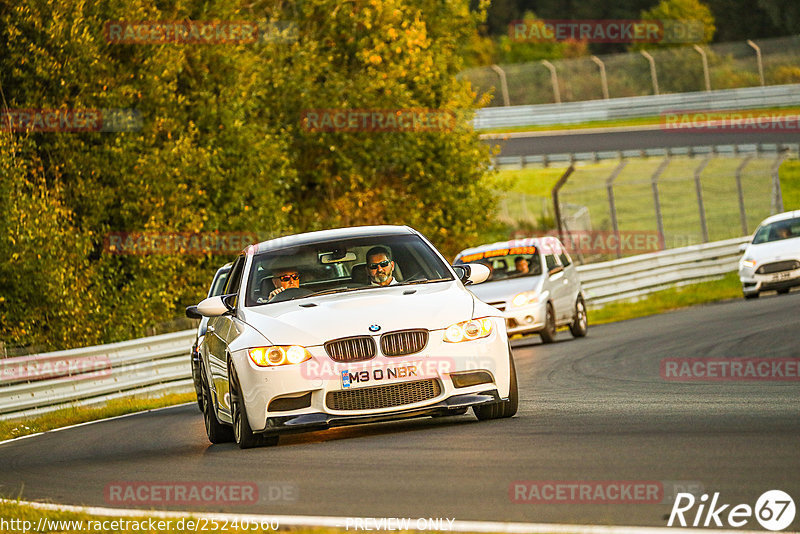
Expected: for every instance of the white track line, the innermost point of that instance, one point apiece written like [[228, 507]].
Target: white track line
[[22, 421], [344, 522], [573, 131]]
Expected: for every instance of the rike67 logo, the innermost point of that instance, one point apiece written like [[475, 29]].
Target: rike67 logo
[[774, 510]]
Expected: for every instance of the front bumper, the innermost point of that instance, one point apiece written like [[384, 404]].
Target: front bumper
[[524, 319], [755, 283], [314, 394], [320, 421]]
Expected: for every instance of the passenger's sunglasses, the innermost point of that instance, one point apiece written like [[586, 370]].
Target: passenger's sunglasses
[[384, 263], [287, 277]]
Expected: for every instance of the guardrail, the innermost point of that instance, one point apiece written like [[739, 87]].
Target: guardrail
[[506, 162], [636, 106], [635, 276], [42, 383], [38, 384]]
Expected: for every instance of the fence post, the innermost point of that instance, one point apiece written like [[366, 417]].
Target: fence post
[[755, 47], [653, 74], [699, 190], [705, 66], [553, 79], [559, 184], [503, 84], [777, 194], [742, 213], [603, 79], [657, 202], [611, 204]]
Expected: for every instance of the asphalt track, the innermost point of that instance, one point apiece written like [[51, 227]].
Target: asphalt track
[[591, 409], [574, 141]]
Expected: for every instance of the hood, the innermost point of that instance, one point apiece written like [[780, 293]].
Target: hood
[[432, 306], [785, 249], [504, 290]]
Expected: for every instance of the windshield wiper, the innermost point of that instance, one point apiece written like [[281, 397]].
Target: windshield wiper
[[335, 290], [412, 282]]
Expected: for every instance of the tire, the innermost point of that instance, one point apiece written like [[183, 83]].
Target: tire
[[580, 321], [243, 434], [506, 408], [216, 431], [751, 296], [548, 335]]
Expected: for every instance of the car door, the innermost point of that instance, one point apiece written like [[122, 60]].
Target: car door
[[573, 282], [557, 284], [218, 334]]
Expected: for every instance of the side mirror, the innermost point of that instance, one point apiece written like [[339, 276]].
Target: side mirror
[[473, 273], [192, 313], [215, 306]]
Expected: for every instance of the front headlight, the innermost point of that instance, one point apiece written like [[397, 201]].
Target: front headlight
[[748, 263], [278, 355], [468, 330], [525, 298]]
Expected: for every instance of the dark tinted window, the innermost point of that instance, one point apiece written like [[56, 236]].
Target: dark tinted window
[[777, 231]]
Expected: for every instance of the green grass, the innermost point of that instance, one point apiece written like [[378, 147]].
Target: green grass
[[75, 415], [636, 121], [526, 195], [666, 300]]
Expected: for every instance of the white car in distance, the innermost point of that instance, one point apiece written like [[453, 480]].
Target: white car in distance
[[338, 348], [771, 260]]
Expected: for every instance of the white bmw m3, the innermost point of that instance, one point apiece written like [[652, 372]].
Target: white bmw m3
[[349, 326]]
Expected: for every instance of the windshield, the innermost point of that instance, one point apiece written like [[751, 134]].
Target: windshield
[[508, 263], [777, 231], [342, 265]]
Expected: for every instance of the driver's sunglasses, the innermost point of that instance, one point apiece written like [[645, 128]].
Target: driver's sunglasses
[[384, 263], [288, 277]]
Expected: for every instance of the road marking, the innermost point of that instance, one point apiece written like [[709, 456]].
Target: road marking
[[76, 425], [339, 522]]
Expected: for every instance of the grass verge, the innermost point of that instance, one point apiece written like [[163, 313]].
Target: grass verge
[[16, 517], [75, 415], [666, 300]]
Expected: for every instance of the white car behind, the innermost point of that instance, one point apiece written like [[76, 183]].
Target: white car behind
[[534, 284], [771, 260]]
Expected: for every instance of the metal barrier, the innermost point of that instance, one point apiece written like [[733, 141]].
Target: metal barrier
[[636, 106], [39, 384]]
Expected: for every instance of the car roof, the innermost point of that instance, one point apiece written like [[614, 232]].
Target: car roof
[[330, 235], [781, 217], [538, 242]]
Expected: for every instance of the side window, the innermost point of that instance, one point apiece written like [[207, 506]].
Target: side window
[[565, 259], [219, 284], [551, 261], [235, 278]]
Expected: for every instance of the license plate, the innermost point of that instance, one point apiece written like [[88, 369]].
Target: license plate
[[381, 374], [777, 277]]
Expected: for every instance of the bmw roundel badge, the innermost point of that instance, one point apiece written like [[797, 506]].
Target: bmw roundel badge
[[374, 327]]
